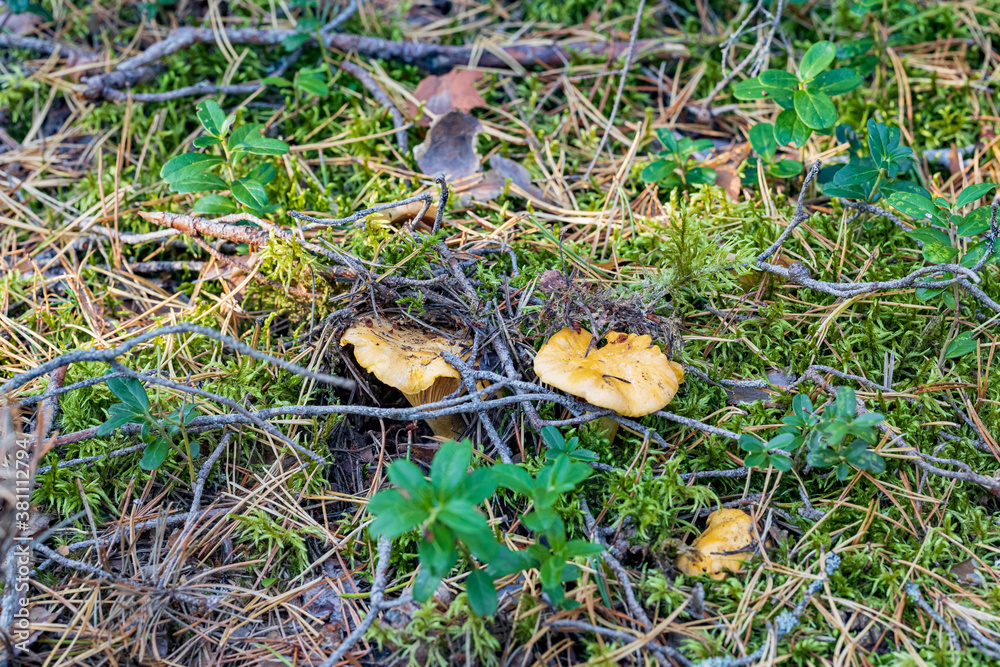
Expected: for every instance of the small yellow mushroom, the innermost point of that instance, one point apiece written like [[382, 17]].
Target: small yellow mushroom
[[409, 359], [728, 531], [629, 375]]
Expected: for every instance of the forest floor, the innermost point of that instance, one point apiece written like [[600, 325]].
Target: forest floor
[[777, 220]]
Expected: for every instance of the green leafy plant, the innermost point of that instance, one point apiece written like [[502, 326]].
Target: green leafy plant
[[946, 227], [559, 446], [202, 172], [551, 551], [307, 82], [836, 438], [805, 97], [445, 509], [764, 455], [674, 167], [869, 178], [862, 7], [764, 140], [160, 435]]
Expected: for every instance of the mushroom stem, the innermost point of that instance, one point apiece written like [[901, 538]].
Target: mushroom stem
[[450, 426]]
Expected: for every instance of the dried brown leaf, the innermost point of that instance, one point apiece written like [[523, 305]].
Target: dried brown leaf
[[455, 91], [450, 147]]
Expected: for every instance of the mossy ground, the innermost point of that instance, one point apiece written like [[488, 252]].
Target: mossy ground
[[892, 529]]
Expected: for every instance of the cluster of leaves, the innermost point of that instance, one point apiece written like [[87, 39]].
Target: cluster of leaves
[[307, 82], [445, 509], [200, 172], [834, 438], [160, 435], [806, 97], [860, 8], [944, 229], [869, 178], [674, 167], [764, 138], [552, 551]]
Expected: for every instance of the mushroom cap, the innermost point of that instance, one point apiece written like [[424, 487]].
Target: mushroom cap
[[727, 530], [629, 375], [404, 357]]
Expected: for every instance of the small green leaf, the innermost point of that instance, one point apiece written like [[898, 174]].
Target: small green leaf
[[822, 458], [154, 455], [199, 183], [976, 252], [879, 141], [263, 173], [973, 193], [295, 40], [762, 140], [780, 441], [241, 134], [206, 142], [481, 592], [212, 117], [847, 402], [259, 145], [657, 170], [788, 129], [250, 193], [187, 165], [750, 89], [477, 486], [836, 82], [667, 138], [438, 554], [938, 253], [857, 172], [870, 418], [449, 465], [781, 462], [118, 415], [131, 392], [394, 514], [312, 86], [853, 48], [915, 206], [462, 517], [929, 235], [976, 222], [408, 476], [749, 443], [819, 57], [215, 205], [786, 169], [795, 421], [960, 346], [801, 405], [515, 478], [815, 109], [700, 176], [757, 460], [425, 584], [776, 79]]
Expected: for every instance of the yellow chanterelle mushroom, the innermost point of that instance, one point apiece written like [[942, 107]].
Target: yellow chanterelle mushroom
[[728, 531], [629, 375], [409, 359]]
